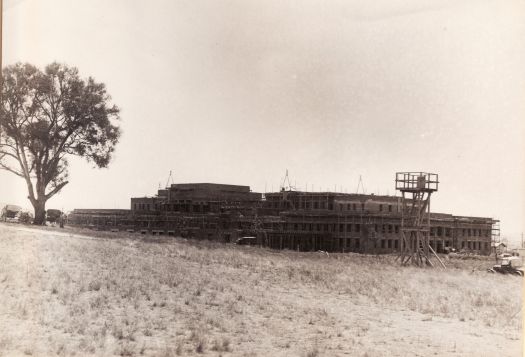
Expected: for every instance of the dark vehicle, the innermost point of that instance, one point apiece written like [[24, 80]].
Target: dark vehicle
[[53, 215], [246, 241], [510, 265], [11, 213]]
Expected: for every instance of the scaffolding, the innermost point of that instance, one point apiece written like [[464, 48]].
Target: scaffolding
[[416, 189]]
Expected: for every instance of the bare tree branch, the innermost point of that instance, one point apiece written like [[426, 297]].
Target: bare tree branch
[[7, 168], [56, 189]]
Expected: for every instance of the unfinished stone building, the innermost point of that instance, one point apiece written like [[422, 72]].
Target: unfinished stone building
[[362, 223], [198, 198], [305, 221]]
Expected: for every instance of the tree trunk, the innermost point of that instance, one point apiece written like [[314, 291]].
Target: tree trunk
[[40, 212]]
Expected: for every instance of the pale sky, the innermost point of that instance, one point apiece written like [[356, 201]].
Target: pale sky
[[239, 91]]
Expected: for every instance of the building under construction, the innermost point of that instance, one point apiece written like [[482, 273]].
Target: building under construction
[[288, 219]]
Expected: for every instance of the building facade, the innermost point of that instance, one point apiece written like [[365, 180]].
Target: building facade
[[364, 223], [305, 221]]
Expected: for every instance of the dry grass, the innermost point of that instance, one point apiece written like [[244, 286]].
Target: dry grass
[[117, 295]]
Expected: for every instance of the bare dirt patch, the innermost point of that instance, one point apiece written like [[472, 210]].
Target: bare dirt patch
[[65, 294]]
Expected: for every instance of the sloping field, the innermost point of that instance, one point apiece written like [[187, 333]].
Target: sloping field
[[66, 294]]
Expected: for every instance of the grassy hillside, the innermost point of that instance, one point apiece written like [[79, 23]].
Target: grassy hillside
[[65, 294]]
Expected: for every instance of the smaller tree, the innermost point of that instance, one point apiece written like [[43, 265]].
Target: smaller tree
[[47, 116]]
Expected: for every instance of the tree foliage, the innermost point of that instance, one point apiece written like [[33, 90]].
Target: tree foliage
[[47, 116]]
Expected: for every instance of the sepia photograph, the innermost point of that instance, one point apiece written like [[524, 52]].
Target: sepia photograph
[[253, 178]]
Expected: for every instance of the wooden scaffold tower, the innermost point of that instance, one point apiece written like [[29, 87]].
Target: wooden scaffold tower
[[416, 189]]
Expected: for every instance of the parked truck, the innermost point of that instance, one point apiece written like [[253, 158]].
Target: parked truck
[[508, 265]]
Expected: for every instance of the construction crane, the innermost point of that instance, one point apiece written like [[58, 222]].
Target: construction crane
[[287, 184], [170, 178], [360, 184]]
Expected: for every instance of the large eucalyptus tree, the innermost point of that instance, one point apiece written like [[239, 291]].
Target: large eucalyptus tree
[[46, 116]]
